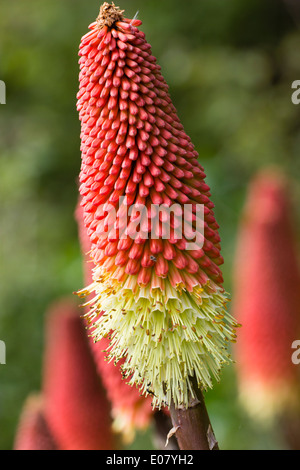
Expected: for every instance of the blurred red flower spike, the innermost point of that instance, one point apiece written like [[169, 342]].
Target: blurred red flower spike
[[33, 432], [267, 299], [76, 407]]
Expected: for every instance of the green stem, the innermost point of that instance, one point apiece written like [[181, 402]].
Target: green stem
[[192, 425]]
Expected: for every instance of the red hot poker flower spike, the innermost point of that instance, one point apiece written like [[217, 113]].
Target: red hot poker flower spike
[[33, 432], [158, 297], [76, 407], [267, 300]]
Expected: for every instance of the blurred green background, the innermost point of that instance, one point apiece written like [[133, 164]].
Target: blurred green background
[[229, 64]]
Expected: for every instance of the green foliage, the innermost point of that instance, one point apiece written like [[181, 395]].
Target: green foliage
[[229, 64]]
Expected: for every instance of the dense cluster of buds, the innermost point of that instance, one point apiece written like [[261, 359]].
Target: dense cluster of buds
[[161, 304], [267, 300]]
